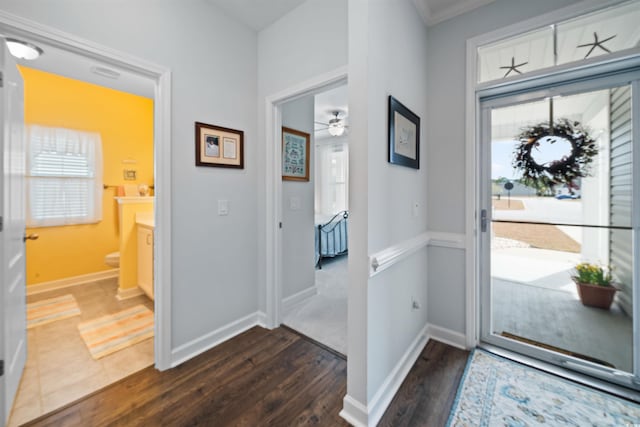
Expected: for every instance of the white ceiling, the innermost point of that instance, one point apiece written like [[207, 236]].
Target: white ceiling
[[58, 61], [435, 11], [257, 14]]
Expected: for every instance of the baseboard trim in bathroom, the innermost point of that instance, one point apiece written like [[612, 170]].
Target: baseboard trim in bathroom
[[129, 293], [67, 282]]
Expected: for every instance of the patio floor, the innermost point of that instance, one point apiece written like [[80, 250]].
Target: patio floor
[[534, 297]]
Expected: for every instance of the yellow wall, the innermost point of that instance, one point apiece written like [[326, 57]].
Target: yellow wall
[[125, 123]]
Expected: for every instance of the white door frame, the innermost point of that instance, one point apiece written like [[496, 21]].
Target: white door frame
[[161, 76], [273, 190], [473, 138]]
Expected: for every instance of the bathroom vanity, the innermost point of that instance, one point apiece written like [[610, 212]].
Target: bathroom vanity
[[134, 212], [145, 225]]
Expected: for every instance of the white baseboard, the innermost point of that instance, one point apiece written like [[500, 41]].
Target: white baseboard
[[261, 319], [290, 302], [72, 281], [354, 412], [129, 293], [447, 336], [201, 344], [392, 383]]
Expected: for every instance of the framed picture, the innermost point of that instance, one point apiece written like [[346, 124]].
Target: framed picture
[[219, 147], [295, 155], [404, 135]]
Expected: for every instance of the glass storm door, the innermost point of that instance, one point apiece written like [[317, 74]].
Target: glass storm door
[[559, 173]]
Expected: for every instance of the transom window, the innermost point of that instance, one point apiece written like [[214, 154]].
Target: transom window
[[610, 30]]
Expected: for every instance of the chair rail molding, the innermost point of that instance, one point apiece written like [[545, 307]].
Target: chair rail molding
[[391, 255]]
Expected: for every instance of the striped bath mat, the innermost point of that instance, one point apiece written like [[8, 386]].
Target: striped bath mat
[[108, 334], [52, 309]]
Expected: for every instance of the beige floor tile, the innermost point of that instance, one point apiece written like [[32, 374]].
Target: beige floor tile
[[72, 351], [60, 368], [74, 371], [59, 341], [23, 413], [73, 391], [126, 361]]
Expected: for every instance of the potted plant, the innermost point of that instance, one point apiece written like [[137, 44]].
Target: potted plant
[[594, 285]]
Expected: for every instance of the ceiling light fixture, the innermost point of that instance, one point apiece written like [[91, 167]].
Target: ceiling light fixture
[[336, 126], [23, 50]]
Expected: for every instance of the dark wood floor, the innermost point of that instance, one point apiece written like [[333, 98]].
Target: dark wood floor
[[259, 378]]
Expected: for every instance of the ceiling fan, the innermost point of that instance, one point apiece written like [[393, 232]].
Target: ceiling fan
[[336, 126]]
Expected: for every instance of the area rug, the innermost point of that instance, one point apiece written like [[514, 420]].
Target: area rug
[[108, 334], [50, 310], [498, 392]]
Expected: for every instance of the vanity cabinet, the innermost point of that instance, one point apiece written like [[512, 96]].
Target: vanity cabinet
[[145, 260]]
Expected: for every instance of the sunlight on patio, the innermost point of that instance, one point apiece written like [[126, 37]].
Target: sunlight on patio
[[535, 300]]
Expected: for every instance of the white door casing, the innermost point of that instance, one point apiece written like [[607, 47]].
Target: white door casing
[[14, 327]]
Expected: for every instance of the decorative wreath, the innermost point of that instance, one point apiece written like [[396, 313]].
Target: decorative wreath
[[562, 171]]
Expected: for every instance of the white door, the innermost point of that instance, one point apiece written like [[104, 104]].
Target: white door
[[13, 336], [536, 230]]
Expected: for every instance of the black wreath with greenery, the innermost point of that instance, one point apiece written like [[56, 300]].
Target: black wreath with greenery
[[561, 171]]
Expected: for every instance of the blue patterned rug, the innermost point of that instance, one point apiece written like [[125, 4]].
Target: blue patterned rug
[[498, 392]]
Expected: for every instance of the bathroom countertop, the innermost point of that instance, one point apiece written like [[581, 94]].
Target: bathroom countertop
[[145, 219]]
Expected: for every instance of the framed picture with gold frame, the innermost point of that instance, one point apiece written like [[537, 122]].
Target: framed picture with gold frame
[[295, 155], [218, 146]]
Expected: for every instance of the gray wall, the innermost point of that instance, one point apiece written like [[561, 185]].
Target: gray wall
[[445, 124], [384, 59], [307, 42], [213, 61], [298, 271]]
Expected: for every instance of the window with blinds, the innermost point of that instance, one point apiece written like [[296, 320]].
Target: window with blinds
[[332, 171], [64, 177]]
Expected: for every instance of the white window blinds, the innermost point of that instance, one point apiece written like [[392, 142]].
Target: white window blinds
[[64, 177]]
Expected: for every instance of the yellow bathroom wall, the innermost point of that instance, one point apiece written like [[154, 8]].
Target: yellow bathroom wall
[[125, 123]]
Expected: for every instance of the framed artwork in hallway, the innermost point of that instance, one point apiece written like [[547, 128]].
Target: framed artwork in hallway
[[219, 146]]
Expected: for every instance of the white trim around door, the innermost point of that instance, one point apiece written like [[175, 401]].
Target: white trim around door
[[273, 181], [472, 138], [161, 76]]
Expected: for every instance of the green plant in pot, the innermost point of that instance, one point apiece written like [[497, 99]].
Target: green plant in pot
[[595, 285]]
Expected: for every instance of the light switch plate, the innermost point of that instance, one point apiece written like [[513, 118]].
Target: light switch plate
[[223, 207], [294, 203], [415, 209]]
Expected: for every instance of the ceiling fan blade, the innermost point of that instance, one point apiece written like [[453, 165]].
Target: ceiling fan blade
[[320, 123]]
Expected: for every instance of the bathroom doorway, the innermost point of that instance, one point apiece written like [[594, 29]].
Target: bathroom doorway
[[70, 352], [315, 217]]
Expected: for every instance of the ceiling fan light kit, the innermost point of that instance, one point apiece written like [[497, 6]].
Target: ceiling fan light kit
[[336, 127]]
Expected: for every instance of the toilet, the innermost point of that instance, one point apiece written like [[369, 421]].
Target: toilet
[[112, 259]]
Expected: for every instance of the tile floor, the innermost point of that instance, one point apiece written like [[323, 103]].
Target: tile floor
[[59, 368], [323, 317]]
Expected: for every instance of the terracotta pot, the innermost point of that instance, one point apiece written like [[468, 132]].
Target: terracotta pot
[[596, 296]]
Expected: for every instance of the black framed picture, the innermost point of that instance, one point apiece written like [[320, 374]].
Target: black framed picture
[[404, 135], [218, 146]]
